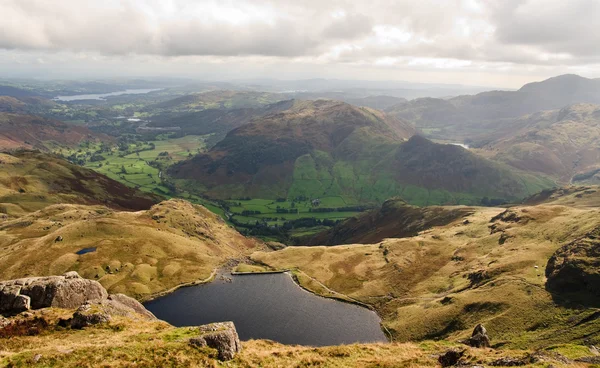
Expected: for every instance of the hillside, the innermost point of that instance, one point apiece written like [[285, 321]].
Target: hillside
[[564, 144], [216, 121], [293, 150], [327, 148], [27, 131], [394, 219], [474, 117], [136, 253], [490, 269], [31, 180]]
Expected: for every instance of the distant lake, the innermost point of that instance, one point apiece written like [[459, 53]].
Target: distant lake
[[465, 146], [103, 96], [270, 306]]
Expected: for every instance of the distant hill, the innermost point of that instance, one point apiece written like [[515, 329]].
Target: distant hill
[[376, 102], [564, 144], [220, 99], [16, 92], [472, 117], [31, 180], [27, 131], [217, 121], [394, 219], [328, 148]]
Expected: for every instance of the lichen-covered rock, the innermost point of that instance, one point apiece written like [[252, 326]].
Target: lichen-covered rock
[[89, 314], [220, 336], [129, 302], [67, 291], [575, 267]]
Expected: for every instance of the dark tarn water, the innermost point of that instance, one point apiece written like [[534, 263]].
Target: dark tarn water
[[86, 250], [270, 307]]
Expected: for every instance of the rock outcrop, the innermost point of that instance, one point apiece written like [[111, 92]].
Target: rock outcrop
[[575, 267], [450, 358], [479, 338], [66, 291], [89, 314], [220, 336]]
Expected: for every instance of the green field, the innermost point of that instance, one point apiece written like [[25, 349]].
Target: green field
[[132, 167], [268, 210]]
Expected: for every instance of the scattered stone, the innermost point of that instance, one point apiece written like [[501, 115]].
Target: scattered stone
[[479, 338], [220, 336], [37, 357], [450, 358], [88, 315], [594, 350], [478, 277], [58, 239], [516, 362]]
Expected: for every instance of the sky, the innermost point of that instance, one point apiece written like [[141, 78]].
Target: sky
[[502, 43]]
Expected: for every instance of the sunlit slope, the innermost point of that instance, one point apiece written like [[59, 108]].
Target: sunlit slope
[[489, 269], [137, 253], [31, 180]]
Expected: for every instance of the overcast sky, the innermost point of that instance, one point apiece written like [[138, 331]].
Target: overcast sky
[[503, 43]]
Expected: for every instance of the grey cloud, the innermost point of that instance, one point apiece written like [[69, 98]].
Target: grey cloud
[[349, 27], [509, 31], [569, 27]]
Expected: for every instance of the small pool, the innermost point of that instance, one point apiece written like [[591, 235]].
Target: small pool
[[86, 250]]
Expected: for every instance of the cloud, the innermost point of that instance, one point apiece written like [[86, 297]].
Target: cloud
[[455, 34]]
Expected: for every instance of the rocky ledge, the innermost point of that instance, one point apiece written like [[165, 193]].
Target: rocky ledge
[[575, 267], [95, 306]]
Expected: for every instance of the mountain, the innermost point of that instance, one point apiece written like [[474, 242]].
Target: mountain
[[327, 148], [32, 180], [472, 117], [394, 219], [28, 131], [563, 144]]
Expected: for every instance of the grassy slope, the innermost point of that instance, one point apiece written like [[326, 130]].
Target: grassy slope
[[128, 342], [421, 288], [31, 180], [27, 131], [560, 143], [394, 219], [146, 252]]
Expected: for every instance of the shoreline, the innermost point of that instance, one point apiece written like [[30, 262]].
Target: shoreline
[[225, 270]]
